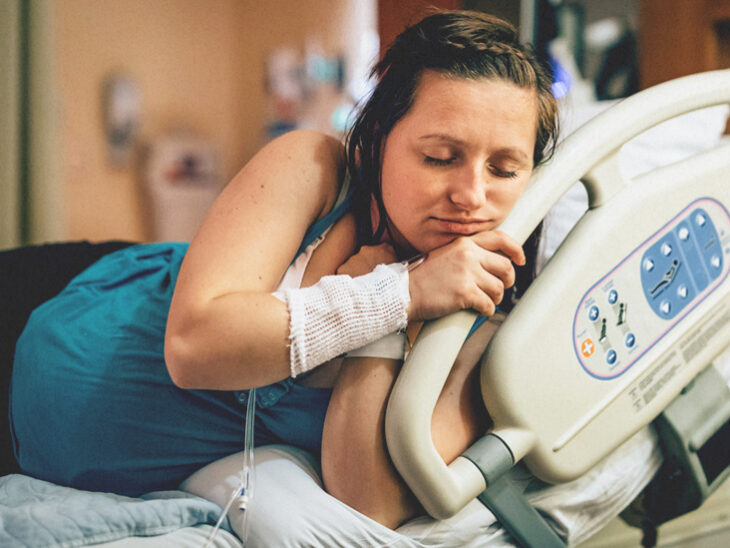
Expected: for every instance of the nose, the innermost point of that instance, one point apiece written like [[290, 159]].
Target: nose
[[468, 189]]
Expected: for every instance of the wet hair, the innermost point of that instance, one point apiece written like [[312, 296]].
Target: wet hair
[[458, 44]]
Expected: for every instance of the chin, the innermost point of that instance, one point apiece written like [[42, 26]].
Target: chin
[[426, 245]]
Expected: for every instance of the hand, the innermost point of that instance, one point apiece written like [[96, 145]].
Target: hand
[[367, 258], [469, 272]]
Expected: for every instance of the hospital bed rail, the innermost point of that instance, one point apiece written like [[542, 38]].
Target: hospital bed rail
[[619, 254]]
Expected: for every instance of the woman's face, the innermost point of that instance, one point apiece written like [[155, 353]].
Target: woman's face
[[456, 163]]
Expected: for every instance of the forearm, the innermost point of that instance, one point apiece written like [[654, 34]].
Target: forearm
[[240, 340]]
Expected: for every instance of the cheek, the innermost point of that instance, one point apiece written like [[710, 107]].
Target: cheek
[[398, 204], [512, 193], [401, 189]]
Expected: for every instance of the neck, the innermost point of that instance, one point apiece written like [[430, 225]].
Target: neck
[[403, 249]]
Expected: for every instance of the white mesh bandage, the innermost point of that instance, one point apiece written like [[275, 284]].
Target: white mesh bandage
[[340, 313]]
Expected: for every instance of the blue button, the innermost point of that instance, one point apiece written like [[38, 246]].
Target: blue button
[[630, 340], [611, 357], [612, 296], [593, 313]]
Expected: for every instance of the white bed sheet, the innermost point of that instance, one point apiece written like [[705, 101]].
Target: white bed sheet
[[290, 508]]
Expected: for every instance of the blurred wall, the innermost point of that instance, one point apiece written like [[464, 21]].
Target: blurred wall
[[199, 64], [10, 119]]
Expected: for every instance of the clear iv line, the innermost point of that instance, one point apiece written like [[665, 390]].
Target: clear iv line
[[243, 493]]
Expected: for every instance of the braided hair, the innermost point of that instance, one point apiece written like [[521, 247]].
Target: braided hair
[[459, 44]]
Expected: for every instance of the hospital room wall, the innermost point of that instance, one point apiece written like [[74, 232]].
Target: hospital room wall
[[198, 65], [10, 136]]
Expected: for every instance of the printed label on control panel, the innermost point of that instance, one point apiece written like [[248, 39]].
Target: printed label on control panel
[[677, 267], [696, 341], [648, 386], [643, 391]]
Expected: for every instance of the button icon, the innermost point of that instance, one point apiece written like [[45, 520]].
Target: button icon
[[611, 357], [700, 219], [593, 313], [683, 233], [612, 296], [587, 348], [630, 340], [665, 307], [715, 261], [682, 291], [648, 265], [666, 249]]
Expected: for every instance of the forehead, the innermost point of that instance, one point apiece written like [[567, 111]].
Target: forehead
[[472, 108]]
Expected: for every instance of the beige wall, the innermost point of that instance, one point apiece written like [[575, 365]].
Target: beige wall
[[198, 64], [10, 121]]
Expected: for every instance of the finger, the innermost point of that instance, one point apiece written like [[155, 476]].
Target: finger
[[482, 302], [387, 250], [383, 246], [499, 266], [492, 286], [496, 240]]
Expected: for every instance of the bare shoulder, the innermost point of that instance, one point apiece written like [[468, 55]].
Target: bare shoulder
[[301, 164], [256, 225]]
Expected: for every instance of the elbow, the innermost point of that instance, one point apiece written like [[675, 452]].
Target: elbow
[[180, 362]]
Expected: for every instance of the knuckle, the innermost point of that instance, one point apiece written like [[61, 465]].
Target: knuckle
[[487, 308], [504, 264], [463, 253], [498, 294], [463, 295], [463, 243]]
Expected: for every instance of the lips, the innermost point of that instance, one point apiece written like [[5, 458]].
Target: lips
[[463, 227]]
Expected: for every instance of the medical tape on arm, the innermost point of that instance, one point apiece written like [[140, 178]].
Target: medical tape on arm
[[340, 313]]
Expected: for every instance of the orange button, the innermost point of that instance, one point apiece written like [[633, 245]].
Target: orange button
[[587, 348]]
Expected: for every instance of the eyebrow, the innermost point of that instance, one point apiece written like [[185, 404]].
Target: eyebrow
[[442, 137], [514, 153]]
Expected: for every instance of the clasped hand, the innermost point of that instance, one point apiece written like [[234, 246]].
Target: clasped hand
[[470, 272]]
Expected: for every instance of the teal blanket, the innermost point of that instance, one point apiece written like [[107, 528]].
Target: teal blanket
[[35, 513]]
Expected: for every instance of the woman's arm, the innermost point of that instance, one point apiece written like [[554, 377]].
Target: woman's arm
[[355, 462], [225, 329]]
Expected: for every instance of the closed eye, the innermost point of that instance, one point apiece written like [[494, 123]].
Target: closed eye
[[502, 173], [438, 161]]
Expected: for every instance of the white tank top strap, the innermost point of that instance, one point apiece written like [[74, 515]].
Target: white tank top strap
[[315, 235]]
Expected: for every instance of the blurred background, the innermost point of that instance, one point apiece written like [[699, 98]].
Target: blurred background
[[123, 119]]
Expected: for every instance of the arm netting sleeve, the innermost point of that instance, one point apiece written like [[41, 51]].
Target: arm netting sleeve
[[340, 313]]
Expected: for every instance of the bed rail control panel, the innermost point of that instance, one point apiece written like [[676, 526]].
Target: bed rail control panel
[[677, 267], [683, 262]]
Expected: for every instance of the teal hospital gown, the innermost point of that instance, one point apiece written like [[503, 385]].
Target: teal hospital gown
[[92, 405]]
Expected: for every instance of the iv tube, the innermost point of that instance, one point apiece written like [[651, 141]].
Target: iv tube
[[243, 493], [248, 475]]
